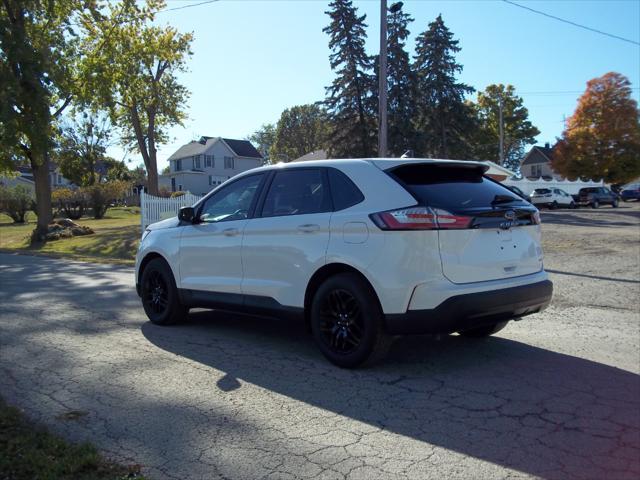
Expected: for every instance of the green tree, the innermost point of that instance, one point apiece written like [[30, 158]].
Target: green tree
[[401, 86], [444, 120], [82, 149], [350, 101], [263, 139], [39, 50], [300, 130], [116, 170], [518, 131], [602, 138], [131, 66]]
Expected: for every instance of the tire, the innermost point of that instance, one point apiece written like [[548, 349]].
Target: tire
[[553, 206], [160, 295], [482, 332], [347, 322], [595, 204], [572, 205], [615, 203]]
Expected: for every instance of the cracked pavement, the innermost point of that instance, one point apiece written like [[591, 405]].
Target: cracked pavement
[[556, 395]]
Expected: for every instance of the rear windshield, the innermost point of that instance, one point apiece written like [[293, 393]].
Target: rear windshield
[[542, 190], [589, 190], [453, 188]]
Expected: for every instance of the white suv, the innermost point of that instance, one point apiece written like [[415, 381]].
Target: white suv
[[360, 249], [552, 198]]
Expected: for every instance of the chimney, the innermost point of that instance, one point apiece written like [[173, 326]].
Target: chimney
[[546, 145]]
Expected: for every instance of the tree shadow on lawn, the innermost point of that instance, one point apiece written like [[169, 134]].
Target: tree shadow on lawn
[[113, 242], [522, 407]]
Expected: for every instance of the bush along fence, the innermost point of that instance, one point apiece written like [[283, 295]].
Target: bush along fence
[[153, 209]]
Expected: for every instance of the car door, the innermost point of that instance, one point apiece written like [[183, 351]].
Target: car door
[[286, 242], [210, 250]]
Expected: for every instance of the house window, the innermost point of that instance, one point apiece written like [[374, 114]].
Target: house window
[[173, 184], [179, 188], [228, 163], [214, 180], [196, 161], [178, 165], [208, 161]]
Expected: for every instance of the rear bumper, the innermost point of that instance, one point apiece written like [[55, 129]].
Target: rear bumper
[[463, 312]]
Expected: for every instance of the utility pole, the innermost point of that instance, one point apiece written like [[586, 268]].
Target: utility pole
[[382, 83], [501, 126]]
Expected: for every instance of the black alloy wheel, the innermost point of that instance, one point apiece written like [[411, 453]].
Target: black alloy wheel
[[347, 321], [341, 323], [160, 295], [155, 293]]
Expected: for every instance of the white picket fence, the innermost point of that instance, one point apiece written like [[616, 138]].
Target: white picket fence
[[153, 209], [527, 186]]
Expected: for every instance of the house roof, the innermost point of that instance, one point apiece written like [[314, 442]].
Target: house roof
[[316, 155], [538, 155], [242, 148]]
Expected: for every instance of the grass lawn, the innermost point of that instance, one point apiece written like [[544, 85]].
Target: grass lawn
[[28, 451], [115, 240]]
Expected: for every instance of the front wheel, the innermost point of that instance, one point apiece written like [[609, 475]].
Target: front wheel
[[595, 204], [347, 322], [554, 205], [615, 203], [160, 295], [572, 205], [481, 332]]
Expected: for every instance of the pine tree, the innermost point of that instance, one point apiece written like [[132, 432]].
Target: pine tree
[[444, 121], [401, 86], [350, 100]]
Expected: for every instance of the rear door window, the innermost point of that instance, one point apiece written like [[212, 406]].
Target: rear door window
[[454, 188], [297, 191], [344, 192]]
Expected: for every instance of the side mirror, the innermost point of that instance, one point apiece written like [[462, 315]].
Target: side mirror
[[187, 214]]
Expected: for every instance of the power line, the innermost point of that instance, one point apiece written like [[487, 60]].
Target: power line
[[187, 6], [617, 37]]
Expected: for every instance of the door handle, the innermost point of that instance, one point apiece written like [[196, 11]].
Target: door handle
[[308, 228], [231, 232]]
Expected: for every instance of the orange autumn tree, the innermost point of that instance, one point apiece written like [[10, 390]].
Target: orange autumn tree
[[602, 138]]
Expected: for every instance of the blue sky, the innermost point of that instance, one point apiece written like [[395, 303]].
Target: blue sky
[[253, 59]]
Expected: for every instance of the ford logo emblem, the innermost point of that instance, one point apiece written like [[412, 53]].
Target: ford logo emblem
[[510, 215]]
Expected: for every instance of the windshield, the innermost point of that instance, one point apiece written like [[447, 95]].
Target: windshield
[[542, 191]]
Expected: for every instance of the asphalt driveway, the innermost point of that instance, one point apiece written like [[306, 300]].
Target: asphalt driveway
[[556, 395]]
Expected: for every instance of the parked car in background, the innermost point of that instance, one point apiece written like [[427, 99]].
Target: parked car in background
[[552, 198], [360, 250], [595, 196], [630, 192]]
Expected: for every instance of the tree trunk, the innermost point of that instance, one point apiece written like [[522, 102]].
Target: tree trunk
[[43, 197]]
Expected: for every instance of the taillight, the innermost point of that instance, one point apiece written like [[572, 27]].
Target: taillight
[[419, 218]]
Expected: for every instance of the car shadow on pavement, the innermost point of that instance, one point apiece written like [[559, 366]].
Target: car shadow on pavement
[[526, 408], [604, 217]]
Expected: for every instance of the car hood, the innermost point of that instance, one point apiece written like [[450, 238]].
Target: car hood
[[168, 223]]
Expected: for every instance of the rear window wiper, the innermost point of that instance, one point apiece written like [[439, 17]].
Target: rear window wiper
[[503, 199]]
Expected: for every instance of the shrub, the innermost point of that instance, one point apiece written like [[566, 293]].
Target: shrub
[[176, 194], [16, 202], [101, 195], [69, 203]]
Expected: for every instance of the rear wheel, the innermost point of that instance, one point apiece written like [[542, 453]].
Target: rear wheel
[[484, 331], [595, 204], [554, 205], [615, 203], [347, 322], [572, 205], [160, 295]]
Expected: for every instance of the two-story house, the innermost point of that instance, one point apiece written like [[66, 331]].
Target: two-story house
[[201, 165], [537, 164]]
